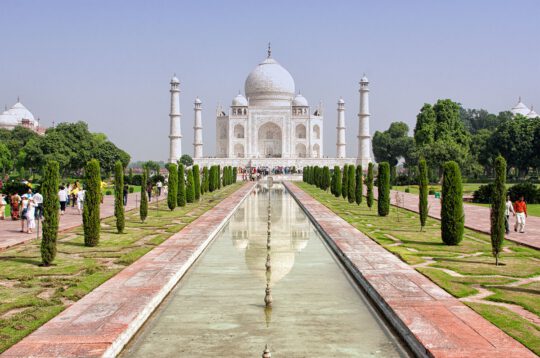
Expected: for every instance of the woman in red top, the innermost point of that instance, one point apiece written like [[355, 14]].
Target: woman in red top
[[520, 208]]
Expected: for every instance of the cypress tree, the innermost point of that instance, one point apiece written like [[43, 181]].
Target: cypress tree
[[383, 182], [327, 178], [235, 174], [369, 186], [498, 206], [351, 184], [317, 177], [304, 174], [345, 181], [92, 199], [130, 176], [197, 181], [224, 178], [393, 175], [49, 190], [143, 209], [181, 195], [218, 173], [206, 181], [452, 216], [172, 195], [337, 171], [358, 185], [119, 196], [422, 193], [190, 187], [211, 179]]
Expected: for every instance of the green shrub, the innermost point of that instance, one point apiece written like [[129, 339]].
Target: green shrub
[[235, 174], [431, 192], [527, 190], [206, 181], [172, 194], [338, 179], [452, 216], [498, 206], [218, 178], [326, 178], [181, 192], [422, 193], [197, 181], [345, 181], [143, 209], [92, 200], [484, 193], [131, 190], [351, 184], [212, 179], [108, 192], [190, 187], [49, 190], [383, 182], [407, 190], [358, 185], [369, 186], [119, 196]]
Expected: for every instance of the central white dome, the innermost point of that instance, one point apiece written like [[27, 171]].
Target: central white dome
[[269, 81]]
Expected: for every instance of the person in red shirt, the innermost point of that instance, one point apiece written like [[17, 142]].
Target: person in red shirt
[[520, 207]]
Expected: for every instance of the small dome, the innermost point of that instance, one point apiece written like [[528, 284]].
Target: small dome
[[364, 79], [300, 101], [340, 101], [520, 108], [20, 112], [197, 101], [269, 81], [239, 100], [175, 79], [532, 113]]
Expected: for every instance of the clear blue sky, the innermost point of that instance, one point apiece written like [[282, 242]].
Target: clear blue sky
[[109, 62]]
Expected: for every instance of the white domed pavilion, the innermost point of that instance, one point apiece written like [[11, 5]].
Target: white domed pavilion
[[19, 115]]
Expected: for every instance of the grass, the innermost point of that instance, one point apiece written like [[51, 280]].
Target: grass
[[472, 259], [532, 209], [468, 188], [31, 295]]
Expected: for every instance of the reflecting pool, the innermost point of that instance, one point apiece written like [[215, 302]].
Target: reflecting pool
[[218, 308]]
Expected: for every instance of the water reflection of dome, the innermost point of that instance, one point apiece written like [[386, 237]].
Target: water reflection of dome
[[282, 261]]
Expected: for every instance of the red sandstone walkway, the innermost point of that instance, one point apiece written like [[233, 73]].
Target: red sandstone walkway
[[428, 315], [476, 218], [10, 234], [102, 322]]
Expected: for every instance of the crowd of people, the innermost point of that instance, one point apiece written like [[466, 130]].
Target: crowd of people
[[519, 210]]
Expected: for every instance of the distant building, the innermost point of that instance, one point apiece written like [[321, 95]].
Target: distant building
[[521, 108], [19, 115]]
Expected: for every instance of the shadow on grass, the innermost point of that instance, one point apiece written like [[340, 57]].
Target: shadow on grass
[[462, 261], [23, 260], [517, 289]]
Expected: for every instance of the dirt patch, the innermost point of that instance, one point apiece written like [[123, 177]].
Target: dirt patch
[[13, 312], [9, 284]]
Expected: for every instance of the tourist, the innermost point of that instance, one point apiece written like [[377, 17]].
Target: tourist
[[509, 209], [3, 205], [63, 196], [159, 185], [126, 191], [103, 187], [520, 207], [15, 205], [24, 212], [80, 200], [28, 194], [30, 215], [74, 192], [149, 191], [38, 200]]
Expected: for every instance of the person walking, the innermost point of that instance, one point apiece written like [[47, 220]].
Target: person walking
[[159, 185], [508, 209], [15, 205], [63, 196], [3, 204], [74, 192], [24, 212], [149, 191], [520, 207], [125, 192], [38, 201], [30, 215], [80, 200]]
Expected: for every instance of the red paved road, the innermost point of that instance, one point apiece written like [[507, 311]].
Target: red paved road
[[443, 325], [10, 234], [102, 322], [476, 218]]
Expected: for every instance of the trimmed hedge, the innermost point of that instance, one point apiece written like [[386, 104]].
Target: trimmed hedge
[[181, 195], [498, 207], [119, 196], [423, 193], [92, 200], [172, 195], [345, 181], [358, 185], [452, 215], [351, 184], [49, 190], [197, 181], [383, 182], [190, 187], [369, 186], [143, 209]]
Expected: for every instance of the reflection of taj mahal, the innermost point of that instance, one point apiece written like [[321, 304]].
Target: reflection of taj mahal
[[271, 124]]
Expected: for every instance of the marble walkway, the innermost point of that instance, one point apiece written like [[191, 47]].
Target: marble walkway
[[11, 235], [102, 322], [432, 321], [476, 217]]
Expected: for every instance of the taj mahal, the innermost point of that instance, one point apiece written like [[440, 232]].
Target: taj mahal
[[271, 125]]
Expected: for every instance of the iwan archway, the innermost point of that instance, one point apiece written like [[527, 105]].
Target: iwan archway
[[270, 141]]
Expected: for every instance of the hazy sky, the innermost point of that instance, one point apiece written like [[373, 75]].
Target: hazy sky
[[109, 63]]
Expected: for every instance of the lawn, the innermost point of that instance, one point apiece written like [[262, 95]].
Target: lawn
[[471, 262], [468, 188], [532, 209], [30, 295]]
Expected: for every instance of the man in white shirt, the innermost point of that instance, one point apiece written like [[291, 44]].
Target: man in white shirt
[[509, 208], [159, 185], [80, 200], [63, 196], [38, 200]]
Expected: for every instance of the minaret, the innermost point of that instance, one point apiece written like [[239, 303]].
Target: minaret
[[340, 144], [197, 130], [175, 134], [364, 138]]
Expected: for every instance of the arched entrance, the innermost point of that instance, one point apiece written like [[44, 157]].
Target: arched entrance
[[239, 150], [270, 141], [300, 150]]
